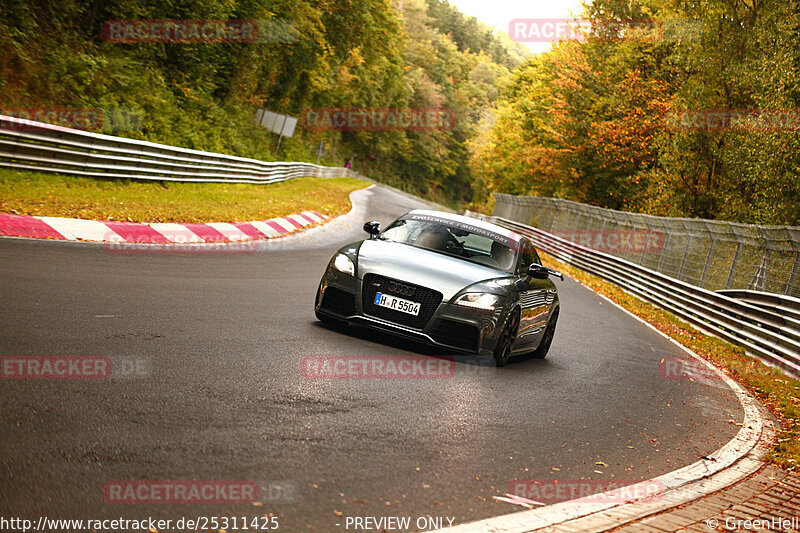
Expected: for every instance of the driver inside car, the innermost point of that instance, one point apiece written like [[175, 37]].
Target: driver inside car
[[435, 238], [503, 255]]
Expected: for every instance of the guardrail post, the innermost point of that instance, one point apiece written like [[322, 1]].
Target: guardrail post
[[738, 251], [663, 252], [793, 278], [646, 241], [685, 253], [795, 272], [708, 261], [759, 281], [709, 256]]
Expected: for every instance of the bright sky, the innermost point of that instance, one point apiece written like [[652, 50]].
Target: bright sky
[[499, 13]]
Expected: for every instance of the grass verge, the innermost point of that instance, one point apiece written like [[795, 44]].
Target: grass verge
[[41, 194], [779, 392]]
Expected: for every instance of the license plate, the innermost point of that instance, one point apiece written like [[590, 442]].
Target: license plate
[[398, 304]]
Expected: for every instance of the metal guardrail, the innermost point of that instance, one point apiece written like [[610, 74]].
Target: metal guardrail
[[711, 254], [762, 331], [30, 145], [785, 305]]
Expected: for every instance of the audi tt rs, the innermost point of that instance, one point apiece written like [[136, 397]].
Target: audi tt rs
[[446, 280]]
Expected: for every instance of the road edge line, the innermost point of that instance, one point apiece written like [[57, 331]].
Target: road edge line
[[733, 462]]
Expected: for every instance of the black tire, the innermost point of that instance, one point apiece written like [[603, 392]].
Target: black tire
[[502, 351], [547, 339]]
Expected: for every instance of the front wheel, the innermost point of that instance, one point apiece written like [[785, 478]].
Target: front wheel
[[502, 352], [547, 339]]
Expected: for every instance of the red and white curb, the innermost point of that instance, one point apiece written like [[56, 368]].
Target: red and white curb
[[75, 229]]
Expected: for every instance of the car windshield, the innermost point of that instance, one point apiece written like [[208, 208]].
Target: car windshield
[[456, 239]]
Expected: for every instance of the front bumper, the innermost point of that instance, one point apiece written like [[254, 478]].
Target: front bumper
[[450, 326]]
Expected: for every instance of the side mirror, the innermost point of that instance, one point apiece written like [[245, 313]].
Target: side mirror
[[542, 272], [373, 228]]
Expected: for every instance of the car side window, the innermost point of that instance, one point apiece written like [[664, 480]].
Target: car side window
[[522, 263], [528, 256], [534, 257]]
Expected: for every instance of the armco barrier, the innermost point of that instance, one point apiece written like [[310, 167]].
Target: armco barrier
[[785, 305], [30, 145], [712, 254], [761, 330]]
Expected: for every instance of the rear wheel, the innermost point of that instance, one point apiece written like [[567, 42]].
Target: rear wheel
[[502, 352], [547, 339]]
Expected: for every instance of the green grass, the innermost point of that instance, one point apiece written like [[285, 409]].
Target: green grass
[[777, 391], [40, 194]]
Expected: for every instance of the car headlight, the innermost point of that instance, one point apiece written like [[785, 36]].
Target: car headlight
[[479, 300], [342, 263]]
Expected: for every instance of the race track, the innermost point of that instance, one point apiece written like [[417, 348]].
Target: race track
[[224, 397]]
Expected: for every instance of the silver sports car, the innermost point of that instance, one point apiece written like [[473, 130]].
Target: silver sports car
[[446, 280]]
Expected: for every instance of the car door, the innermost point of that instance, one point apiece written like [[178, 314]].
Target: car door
[[536, 297]]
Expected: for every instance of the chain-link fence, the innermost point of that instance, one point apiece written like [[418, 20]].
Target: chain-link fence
[[708, 253]]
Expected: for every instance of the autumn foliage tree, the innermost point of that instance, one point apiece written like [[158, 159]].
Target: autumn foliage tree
[[594, 120], [309, 54]]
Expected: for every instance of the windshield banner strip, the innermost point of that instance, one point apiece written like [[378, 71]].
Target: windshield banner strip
[[499, 237]]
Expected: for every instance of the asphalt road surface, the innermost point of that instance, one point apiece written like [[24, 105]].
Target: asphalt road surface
[[223, 397]]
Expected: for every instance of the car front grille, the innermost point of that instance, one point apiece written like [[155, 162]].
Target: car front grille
[[429, 300], [339, 302], [454, 333]]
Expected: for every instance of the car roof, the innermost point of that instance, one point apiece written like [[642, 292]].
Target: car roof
[[469, 220]]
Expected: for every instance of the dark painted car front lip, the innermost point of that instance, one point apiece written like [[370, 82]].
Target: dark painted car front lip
[[395, 329], [475, 317]]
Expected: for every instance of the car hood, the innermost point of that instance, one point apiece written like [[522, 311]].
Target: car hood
[[403, 262]]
